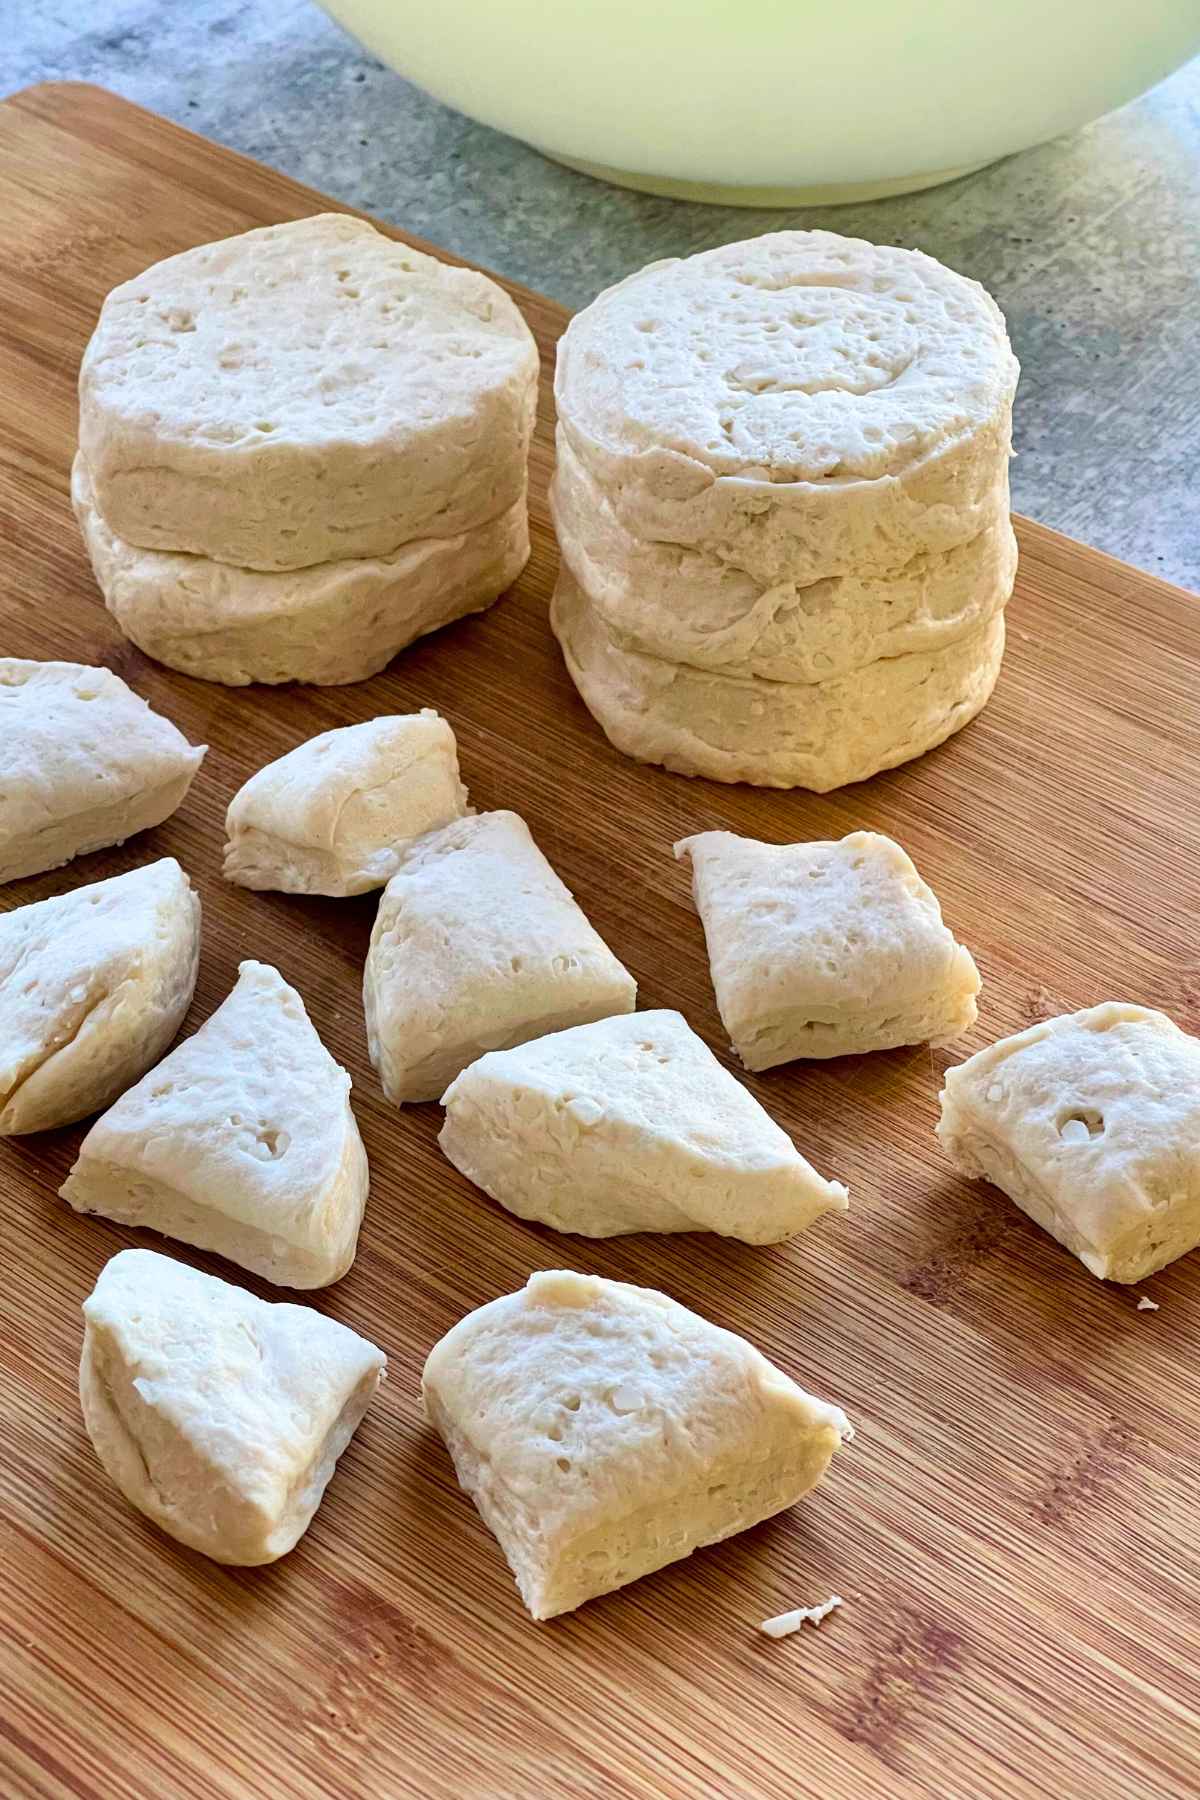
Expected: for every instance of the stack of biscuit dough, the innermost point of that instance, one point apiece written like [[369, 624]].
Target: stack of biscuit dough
[[781, 499], [302, 448]]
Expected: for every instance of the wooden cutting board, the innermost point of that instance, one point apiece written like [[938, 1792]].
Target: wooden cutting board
[[1014, 1531]]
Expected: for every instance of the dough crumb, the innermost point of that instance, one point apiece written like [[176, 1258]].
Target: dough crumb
[[784, 1624], [1146, 1304]]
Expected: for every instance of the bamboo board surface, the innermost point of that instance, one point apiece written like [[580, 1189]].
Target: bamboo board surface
[[1014, 1531]]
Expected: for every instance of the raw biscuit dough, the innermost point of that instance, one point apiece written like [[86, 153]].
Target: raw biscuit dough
[[478, 946], [818, 735], [826, 949], [84, 763], [798, 405], [304, 393], [335, 623], [94, 985], [629, 1124], [1091, 1123], [686, 606], [242, 1141], [328, 817], [604, 1431], [218, 1415]]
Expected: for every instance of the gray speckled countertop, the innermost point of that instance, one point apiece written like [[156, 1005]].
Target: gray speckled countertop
[[1091, 244]]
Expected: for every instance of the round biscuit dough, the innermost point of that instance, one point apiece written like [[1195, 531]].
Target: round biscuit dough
[[305, 393], [799, 405], [685, 606], [819, 735], [337, 623]]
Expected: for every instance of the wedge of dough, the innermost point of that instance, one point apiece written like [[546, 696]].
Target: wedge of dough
[[335, 623], [328, 817], [1091, 1123], [629, 1124], [94, 985], [604, 1431], [826, 948], [799, 405], [242, 1141], [686, 606], [818, 735], [478, 946], [304, 393], [218, 1415], [84, 763]]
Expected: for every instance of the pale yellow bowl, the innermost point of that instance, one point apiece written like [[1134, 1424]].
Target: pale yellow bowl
[[779, 102]]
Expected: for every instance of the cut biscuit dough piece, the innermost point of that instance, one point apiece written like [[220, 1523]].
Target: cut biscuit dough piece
[[242, 1141], [328, 817], [1091, 1123], [304, 393], [798, 405], [84, 763], [94, 985], [478, 946], [218, 1415], [826, 949], [817, 735], [604, 1431], [685, 606], [339, 622], [629, 1124]]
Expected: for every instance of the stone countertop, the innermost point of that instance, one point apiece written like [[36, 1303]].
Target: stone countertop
[[1091, 244]]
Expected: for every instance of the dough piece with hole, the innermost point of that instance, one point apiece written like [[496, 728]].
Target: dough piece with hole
[[1091, 1123], [603, 1431], [219, 1416], [84, 763], [478, 946], [629, 1124], [305, 393], [687, 606], [798, 405], [242, 1141], [94, 985], [817, 735], [334, 623], [826, 949], [328, 817]]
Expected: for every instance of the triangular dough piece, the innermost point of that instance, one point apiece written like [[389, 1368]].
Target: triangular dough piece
[[84, 763], [630, 1124], [478, 945], [218, 1415], [242, 1141], [327, 818], [93, 986], [603, 1431]]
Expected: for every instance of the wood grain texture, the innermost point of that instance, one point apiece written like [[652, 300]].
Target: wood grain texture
[[1014, 1531]]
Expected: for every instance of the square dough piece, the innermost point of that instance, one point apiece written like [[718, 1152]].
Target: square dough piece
[[1091, 1123], [327, 817], [242, 1141], [630, 1124], [603, 1431], [94, 985], [218, 1415], [478, 946], [84, 763], [826, 949]]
